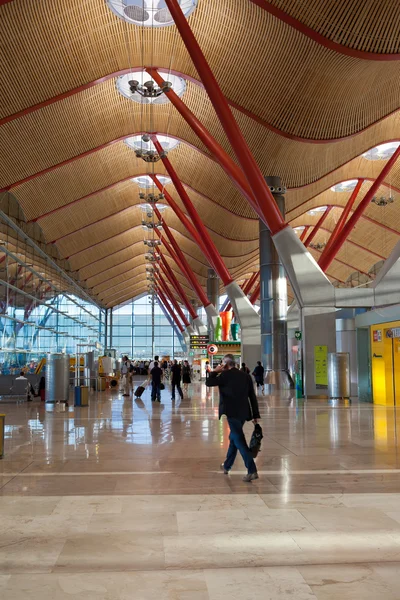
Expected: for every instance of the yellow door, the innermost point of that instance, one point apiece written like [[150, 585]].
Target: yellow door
[[396, 370]]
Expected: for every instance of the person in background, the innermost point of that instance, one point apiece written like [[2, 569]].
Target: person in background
[[29, 389], [186, 378], [42, 388], [237, 400], [258, 375], [126, 376], [152, 363], [176, 376], [245, 369], [156, 375], [208, 369]]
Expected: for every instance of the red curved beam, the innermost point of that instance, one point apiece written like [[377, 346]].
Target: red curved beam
[[319, 38], [235, 105]]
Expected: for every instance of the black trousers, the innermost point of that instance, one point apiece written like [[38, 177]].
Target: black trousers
[[177, 385]]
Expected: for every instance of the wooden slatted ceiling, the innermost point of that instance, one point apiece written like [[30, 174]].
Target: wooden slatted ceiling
[[90, 44], [63, 131], [70, 42], [352, 23]]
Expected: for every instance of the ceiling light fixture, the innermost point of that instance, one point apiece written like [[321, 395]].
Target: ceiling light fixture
[[317, 246], [382, 200]]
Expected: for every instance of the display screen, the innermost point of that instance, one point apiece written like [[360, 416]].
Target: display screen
[[199, 342]]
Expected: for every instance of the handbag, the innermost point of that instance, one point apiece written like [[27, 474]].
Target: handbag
[[162, 386], [255, 442]]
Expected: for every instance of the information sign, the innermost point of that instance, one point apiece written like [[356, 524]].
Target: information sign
[[321, 365], [199, 342]]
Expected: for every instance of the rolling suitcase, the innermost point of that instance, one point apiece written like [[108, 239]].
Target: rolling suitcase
[[139, 391]]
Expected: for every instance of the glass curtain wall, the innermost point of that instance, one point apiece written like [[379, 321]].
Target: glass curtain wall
[[132, 331], [41, 308]]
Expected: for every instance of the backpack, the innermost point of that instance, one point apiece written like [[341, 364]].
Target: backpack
[[131, 368]]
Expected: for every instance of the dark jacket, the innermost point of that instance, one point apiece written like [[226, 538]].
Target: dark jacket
[[259, 373], [156, 375], [237, 398], [176, 372]]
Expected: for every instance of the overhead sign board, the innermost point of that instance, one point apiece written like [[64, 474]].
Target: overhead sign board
[[199, 342]]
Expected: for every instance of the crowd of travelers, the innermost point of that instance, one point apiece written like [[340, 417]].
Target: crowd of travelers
[[238, 400]]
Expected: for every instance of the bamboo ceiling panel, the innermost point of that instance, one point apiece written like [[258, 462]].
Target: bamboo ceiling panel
[[136, 277], [100, 206], [127, 296], [84, 40], [348, 22], [65, 134], [357, 168], [103, 250], [82, 240], [86, 273], [137, 264], [124, 268]]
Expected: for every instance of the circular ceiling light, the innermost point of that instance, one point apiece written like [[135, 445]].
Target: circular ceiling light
[[381, 152], [178, 85], [144, 181], [136, 142], [316, 210], [149, 13], [345, 186], [148, 208]]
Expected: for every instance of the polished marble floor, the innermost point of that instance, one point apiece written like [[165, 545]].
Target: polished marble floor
[[124, 500]]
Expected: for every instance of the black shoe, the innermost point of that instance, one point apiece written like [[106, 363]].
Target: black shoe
[[222, 467], [250, 477]]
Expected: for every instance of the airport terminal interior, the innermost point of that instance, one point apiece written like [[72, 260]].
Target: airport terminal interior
[[199, 237]]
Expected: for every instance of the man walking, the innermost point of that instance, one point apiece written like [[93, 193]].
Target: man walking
[[237, 400], [176, 376], [156, 378]]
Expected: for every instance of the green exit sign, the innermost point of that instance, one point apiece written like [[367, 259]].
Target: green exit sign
[[297, 335]]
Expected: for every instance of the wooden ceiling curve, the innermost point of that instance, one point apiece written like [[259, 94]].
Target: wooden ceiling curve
[[62, 150]]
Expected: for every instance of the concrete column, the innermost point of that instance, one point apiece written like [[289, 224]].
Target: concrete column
[[213, 288], [213, 296], [273, 303], [195, 305], [318, 324], [346, 341]]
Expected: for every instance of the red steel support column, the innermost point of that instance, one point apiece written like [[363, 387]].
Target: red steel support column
[[207, 245], [171, 298], [251, 282], [169, 309], [225, 161], [351, 223], [181, 216], [304, 233], [181, 261], [256, 294], [342, 220], [317, 227], [175, 283], [263, 196]]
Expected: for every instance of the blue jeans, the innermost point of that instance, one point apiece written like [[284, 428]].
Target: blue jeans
[[155, 391], [238, 442]]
